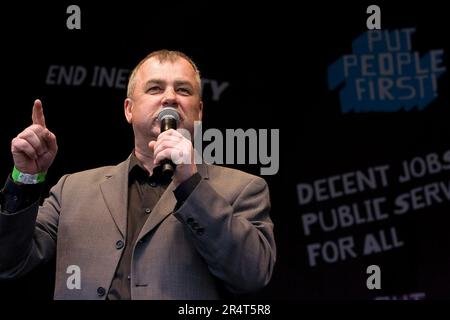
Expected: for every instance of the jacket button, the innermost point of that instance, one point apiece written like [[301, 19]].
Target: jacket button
[[119, 244], [195, 225], [189, 220], [200, 231], [101, 291]]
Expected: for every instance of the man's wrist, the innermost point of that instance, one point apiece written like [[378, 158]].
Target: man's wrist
[[17, 196], [26, 178]]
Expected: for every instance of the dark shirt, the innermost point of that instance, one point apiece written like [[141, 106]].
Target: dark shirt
[[144, 192]]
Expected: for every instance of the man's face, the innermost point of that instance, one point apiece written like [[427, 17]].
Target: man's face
[[159, 85]]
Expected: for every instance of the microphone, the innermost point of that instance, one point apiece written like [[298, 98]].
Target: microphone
[[168, 117]]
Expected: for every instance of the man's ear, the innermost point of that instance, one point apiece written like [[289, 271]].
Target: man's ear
[[200, 111], [128, 108]]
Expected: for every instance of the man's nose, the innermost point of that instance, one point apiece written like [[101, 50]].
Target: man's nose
[[169, 98]]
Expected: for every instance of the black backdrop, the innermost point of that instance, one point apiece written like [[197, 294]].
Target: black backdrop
[[275, 59]]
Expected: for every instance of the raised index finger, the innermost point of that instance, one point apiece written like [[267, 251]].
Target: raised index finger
[[38, 113]]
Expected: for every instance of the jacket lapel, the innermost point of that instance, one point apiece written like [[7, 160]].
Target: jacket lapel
[[165, 205], [162, 209], [115, 194]]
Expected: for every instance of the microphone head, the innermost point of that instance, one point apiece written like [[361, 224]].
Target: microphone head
[[169, 113]]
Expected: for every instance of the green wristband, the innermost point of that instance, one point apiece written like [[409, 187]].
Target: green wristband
[[27, 178]]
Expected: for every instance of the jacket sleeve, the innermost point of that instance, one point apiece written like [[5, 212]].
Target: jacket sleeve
[[235, 239], [28, 237]]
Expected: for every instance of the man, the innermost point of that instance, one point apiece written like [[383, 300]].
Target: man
[[126, 231]]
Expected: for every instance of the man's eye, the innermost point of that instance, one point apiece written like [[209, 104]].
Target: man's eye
[[154, 89], [184, 91]]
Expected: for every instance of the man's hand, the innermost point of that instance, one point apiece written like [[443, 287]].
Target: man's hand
[[35, 148], [171, 144]]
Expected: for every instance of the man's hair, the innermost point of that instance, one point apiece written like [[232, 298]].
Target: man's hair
[[162, 56]]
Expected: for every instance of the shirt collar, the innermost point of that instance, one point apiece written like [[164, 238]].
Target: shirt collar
[[137, 172]]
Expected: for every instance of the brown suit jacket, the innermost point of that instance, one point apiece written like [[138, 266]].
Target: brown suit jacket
[[222, 234]]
